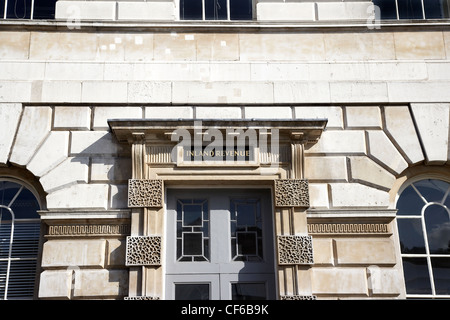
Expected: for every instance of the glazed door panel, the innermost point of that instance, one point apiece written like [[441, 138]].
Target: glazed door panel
[[224, 236]]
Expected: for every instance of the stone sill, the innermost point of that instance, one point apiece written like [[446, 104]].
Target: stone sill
[[242, 26]]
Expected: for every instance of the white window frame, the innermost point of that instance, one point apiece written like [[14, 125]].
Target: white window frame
[[9, 258], [178, 8], [427, 255], [423, 11]]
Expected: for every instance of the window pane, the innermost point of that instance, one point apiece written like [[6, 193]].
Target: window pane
[[410, 9], [248, 291], [432, 190], [191, 10], [417, 278], [411, 235], [2, 8], [44, 9], [246, 243], [246, 214], [192, 215], [19, 9], [25, 205], [241, 10], [410, 202], [7, 192], [438, 229], [192, 244], [436, 9], [388, 9], [194, 291], [441, 274], [216, 9]]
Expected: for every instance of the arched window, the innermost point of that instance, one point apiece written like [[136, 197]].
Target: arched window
[[423, 220], [19, 240]]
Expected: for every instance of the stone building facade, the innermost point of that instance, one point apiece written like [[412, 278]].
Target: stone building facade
[[104, 107]]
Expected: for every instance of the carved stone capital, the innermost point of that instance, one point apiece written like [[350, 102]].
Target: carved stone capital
[[291, 193], [145, 193], [295, 250], [143, 251]]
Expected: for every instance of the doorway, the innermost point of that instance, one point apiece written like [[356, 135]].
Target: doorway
[[220, 244]]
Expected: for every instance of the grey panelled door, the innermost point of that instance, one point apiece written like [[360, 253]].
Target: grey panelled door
[[220, 244]]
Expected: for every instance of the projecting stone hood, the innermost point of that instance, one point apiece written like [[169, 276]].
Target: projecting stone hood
[[307, 131]]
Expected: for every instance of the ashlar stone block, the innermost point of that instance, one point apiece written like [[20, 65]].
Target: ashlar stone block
[[15, 45], [332, 114], [55, 284], [365, 169], [169, 112], [68, 253], [33, 128], [149, 92], [382, 149], [146, 11], [338, 141], [419, 45], [95, 142], [285, 11], [433, 126], [323, 251], [86, 10], [101, 283], [326, 168], [71, 171], [354, 10], [363, 117], [73, 118], [9, 119], [400, 126], [102, 114], [104, 91], [79, 196], [52, 152], [346, 281], [318, 195], [365, 251], [347, 195], [383, 281]]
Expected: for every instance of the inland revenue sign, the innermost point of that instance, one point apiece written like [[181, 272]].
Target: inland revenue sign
[[209, 153]]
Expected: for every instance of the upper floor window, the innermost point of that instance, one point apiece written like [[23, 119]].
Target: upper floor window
[[216, 9], [19, 240], [423, 220], [413, 9], [27, 9]]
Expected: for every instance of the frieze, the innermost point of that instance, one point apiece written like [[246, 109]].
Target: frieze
[[144, 193], [293, 249], [348, 228], [143, 251], [291, 193], [86, 230]]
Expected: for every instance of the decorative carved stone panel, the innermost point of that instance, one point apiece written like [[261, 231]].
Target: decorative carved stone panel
[[144, 193], [291, 193], [295, 250], [298, 297], [143, 251]]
